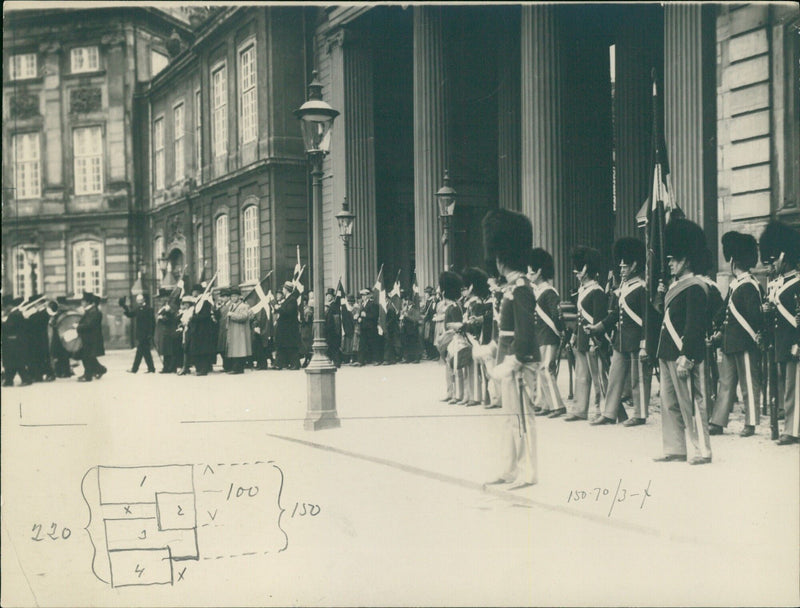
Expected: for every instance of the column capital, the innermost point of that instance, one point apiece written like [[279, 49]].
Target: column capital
[[343, 37]]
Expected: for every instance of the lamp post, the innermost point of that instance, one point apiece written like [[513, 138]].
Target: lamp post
[[446, 197], [345, 218], [316, 119]]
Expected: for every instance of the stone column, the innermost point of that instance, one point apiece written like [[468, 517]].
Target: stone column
[[542, 164], [508, 121], [430, 140]]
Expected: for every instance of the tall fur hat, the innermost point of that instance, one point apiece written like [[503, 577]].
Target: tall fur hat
[[542, 260], [589, 257], [629, 250], [741, 248], [478, 279], [779, 238], [684, 239], [450, 284], [508, 237]]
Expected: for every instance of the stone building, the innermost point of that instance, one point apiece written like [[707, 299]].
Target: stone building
[[69, 187]]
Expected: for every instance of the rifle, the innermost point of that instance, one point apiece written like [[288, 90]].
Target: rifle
[[772, 371]]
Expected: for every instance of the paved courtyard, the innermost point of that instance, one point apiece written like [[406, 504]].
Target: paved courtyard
[[389, 509]]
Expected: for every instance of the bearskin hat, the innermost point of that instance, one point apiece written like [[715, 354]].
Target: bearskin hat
[[450, 284], [779, 238], [629, 250], [589, 257], [542, 260], [741, 248], [683, 239], [508, 237], [478, 279]]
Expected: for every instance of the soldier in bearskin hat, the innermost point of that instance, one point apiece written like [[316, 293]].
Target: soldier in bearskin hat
[[592, 305], [741, 325], [549, 330], [780, 248], [715, 309], [626, 320], [508, 241], [681, 349], [448, 320]]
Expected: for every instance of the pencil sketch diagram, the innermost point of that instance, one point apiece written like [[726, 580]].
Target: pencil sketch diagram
[[144, 520]]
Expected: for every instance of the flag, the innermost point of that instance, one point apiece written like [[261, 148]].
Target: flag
[[258, 298], [177, 294], [340, 294], [415, 289], [394, 295], [379, 293]]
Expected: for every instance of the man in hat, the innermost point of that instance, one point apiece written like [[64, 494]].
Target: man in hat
[[144, 328], [449, 319], [90, 330], [780, 248], [261, 336], [410, 319], [167, 338], [204, 333], [369, 340], [333, 327], [715, 310], [186, 313], [287, 328], [39, 365], [346, 305], [549, 330], [15, 347], [508, 240], [743, 321], [592, 306], [626, 319], [239, 340], [681, 348], [222, 308], [427, 311]]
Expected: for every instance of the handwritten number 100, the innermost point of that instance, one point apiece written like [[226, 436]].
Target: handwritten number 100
[[37, 530]]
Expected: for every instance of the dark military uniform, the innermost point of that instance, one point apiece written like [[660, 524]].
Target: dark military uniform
[[90, 330], [740, 351], [626, 319], [784, 293], [683, 406], [589, 369], [15, 349], [144, 328], [549, 327], [287, 334], [369, 340]]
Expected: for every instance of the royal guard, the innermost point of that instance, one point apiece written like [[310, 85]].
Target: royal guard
[[592, 304], [780, 248], [508, 240], [739, 336], [549, 331], [681, 348], [626, 319]]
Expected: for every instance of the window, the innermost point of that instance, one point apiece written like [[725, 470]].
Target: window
[[26, 271], [178, 133], [219, 101], [199, 262], [198, 136], [22, 66], [87, 148], [158, 61], [25, 153], [87, 267], [248, 123], [84, 59], [158, 153], [251, 244], [158, 253], [223, 270]]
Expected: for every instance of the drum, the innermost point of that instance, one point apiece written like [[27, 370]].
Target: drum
[[67, 328]]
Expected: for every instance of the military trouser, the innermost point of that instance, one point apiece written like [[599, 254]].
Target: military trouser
[[683, 411], [742, 369], [625, 368], [589, 372], [788, 381], [518, 450], [548, 395]]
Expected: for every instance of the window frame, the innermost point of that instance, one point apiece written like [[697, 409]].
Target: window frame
[[219, 111], [199, 258], [248, 95], [34, 163], [198, 135], [222, 257], [75, 158], [86, 55], [25, 274], [14, 73], [158, 253], [251, 243], [178, 135], [159, 156], [78, 287]]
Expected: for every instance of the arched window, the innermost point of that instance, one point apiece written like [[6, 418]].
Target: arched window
[[158, 253], [223, 261], [251, 244], [27, 270], [87, 267], [199, 261]]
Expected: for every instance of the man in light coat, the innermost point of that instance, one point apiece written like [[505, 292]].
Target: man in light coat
[[240, 346]]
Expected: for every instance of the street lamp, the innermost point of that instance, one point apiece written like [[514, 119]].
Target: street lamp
[[345, 218], [446, 197], [316, 119]]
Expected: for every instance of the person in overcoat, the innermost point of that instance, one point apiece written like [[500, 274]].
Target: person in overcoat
[[287, 328], [223, 306], [333, 327], [15, 348], [167, 338], [202, 338], [90, 331], [144, 328], [240, 345]]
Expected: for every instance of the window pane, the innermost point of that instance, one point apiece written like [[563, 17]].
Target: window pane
[[222, 250], [87, 267], [88, 164]]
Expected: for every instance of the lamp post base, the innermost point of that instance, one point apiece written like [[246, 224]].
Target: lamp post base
[[321, 409]]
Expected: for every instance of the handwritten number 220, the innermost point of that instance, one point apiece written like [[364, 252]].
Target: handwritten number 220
[[37, 530]]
